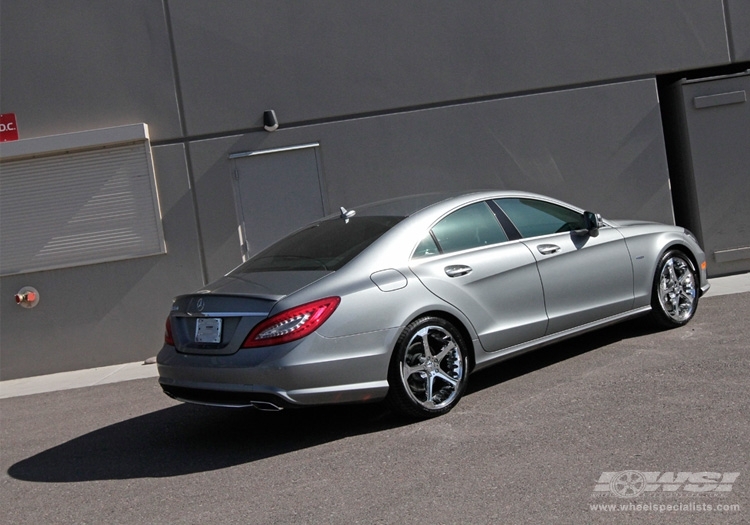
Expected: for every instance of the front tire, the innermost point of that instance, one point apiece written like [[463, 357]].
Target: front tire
[[675, 290], [428, 370]]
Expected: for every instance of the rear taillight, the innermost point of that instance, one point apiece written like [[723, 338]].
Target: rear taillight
[[292, 324], [168, 338]]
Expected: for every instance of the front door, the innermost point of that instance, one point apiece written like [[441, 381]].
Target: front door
[[586, 278]]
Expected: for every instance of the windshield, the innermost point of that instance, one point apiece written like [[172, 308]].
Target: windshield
[[327, 245]]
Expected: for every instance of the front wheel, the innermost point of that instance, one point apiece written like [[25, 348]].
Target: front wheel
[[428, 371], [675, 290]]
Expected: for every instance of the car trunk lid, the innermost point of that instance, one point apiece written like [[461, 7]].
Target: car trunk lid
[[215, 320]]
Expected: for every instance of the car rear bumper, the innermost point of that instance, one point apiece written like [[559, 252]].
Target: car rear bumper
[[270, 399], [207, 396], [313, 371]]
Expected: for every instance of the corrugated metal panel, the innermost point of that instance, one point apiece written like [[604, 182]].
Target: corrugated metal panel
[[78, 208]]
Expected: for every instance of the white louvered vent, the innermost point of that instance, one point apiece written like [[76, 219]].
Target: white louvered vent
[[78, 208]]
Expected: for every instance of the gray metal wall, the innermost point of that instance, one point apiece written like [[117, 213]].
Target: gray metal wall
[[559, 98]]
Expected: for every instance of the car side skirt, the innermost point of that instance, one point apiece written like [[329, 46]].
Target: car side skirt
[[485, 359]]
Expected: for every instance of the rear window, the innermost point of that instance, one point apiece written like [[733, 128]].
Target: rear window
[[327, 245]]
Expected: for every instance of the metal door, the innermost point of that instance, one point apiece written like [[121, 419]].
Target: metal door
[[493, 281], [585, 278], [498, 290], [276, 192], [716, 152]]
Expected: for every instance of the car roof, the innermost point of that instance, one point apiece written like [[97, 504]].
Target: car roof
[[438, 202]]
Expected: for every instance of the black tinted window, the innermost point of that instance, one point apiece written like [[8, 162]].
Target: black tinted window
[[327, 245], [533, 218]]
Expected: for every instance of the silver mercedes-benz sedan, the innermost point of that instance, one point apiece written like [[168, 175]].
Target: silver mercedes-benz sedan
[[402, 300]]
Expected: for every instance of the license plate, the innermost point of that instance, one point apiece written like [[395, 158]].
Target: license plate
[[208, 330]]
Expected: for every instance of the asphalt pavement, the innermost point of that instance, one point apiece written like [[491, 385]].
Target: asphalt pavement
[[624, 425]]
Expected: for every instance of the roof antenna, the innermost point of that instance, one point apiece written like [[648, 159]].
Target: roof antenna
[[347, 214]]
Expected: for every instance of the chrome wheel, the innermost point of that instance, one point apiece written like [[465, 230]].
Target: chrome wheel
[[432, 369], [428, 374], [676, 290]]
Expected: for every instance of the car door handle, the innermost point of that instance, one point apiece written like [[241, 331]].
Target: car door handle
[[548, 249], [457, 270]]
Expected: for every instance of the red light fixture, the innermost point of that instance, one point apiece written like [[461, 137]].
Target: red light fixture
[[292, 324], [168, 338]]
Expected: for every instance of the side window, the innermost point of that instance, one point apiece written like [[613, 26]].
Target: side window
[[426, 247], [470, 227], [533, 218]]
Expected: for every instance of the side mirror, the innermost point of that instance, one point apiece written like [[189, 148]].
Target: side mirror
[[593, 222]]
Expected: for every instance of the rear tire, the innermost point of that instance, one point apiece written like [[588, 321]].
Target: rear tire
[[674, 298], [428, 370]]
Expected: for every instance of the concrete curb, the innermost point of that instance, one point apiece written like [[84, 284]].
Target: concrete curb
[[729, 285], [77, 379]]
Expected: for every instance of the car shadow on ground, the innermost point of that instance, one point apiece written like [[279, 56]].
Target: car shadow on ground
[[186, 439]]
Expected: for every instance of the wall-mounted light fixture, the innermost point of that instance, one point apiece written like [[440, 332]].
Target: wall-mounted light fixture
[[27, 297], [270, 122]]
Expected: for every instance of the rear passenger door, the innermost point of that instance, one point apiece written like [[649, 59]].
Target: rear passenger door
[[585, 278], [467, 260]]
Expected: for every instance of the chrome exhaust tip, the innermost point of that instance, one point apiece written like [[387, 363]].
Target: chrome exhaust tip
[[265, 406]]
